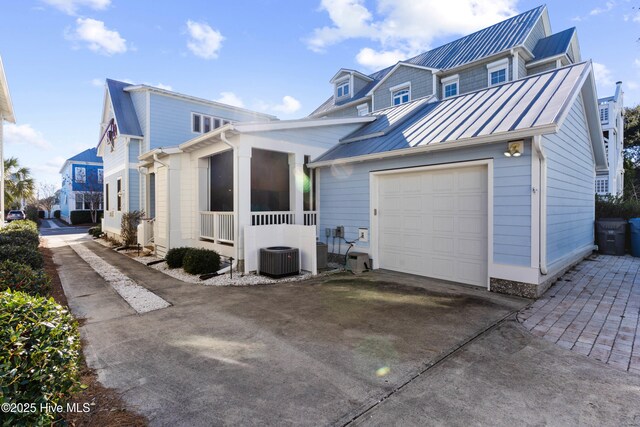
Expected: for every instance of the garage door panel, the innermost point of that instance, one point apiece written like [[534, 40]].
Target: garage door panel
[[434, 223]]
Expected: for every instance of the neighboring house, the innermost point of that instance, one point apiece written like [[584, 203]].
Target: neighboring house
[[6, 114], [137, 119], [474, 162], [612, 120], [82, 184]]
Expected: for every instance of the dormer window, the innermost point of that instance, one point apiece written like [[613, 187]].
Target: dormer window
[[497, 72], [450, 86], [400, 94], [342, 88]]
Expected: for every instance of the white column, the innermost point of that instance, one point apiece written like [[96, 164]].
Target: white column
[[1, 172], [242, 196], [515, 62], [296, 187]]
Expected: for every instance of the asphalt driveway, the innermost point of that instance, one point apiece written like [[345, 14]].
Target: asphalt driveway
[[381, 348]]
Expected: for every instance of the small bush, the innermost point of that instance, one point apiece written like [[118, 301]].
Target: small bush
[[56, 213], [129, 227], [96, 231], [31, 212], [201, 261], [616, 207], [22, 254], [22, 233], [23, 224], [21, 277], [175, 257], [39, 357], [83, 217]]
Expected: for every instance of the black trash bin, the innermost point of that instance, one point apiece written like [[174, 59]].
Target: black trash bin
[[321, 254], [611, 235]]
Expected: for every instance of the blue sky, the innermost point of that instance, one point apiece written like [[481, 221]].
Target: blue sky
[[268, 55]]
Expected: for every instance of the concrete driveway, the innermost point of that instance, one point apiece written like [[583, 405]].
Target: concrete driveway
[[327, 351]]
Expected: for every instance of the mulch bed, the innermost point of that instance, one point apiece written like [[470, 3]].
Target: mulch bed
[[107, 407]]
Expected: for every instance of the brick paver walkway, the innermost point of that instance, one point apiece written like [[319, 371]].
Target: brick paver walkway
[[593, 310]]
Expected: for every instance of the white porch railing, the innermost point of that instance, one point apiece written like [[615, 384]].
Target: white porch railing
[[310, 218], [273, 218], [217, 226]]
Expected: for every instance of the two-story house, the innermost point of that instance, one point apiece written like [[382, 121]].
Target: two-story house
[[137, 119], [82, 184], [6, 114], [612, 120]]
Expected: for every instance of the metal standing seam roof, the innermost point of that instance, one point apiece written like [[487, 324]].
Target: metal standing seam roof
[[553, 45], [123, 109], [89, 155], [524, 104], [483, 43]]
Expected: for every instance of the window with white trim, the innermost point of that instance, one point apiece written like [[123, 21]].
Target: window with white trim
[[602, 185], [604, 115], [342, 88], [400, 94], [119, 194], [100, 175], [83, 201], [450, 86], [201, 123], [80, 174], [363, 109], [498, 72]]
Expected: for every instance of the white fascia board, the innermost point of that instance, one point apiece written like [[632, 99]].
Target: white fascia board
[[145, 157], [300, 124], [401, 86], [6, 107], [449, 79], [501, 63], [393, 70], [350, 72], [576, 46], [194, 143], [207, 102], [452, 145]]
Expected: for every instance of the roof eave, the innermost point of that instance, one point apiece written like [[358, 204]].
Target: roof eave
[[340, 107], [6, 108]]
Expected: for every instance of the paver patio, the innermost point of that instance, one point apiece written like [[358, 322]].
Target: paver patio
[[593, 310]]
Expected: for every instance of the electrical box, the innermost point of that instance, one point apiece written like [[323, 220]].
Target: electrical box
[[340, 231], [327, 232], [363, 234]]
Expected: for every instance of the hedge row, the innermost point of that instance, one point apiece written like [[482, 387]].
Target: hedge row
[[83, 217]]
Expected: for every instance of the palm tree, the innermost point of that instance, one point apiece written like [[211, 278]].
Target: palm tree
[[18, 182]]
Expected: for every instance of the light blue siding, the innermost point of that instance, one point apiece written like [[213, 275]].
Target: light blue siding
[[344, 196], [134, 190], [171, 119], [570, 188], [134, 150], [536, 34], [139, 100], [421, 85]]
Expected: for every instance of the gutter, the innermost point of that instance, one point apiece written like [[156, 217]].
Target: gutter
[[537, 144]]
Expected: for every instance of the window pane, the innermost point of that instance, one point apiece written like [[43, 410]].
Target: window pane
[[216, 123], [79, 202], [196, 123], [269, 181], [451, 90], [498, 76], [207, 124]]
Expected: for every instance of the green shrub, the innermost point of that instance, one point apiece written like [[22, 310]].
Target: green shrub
[[616, 207], [20, 277], [201, 261], [23, 224], [25, 233], [39, 358], [31, 212], [175, 257], [83, 217], [22, 254], [96, 231], [56, 213]]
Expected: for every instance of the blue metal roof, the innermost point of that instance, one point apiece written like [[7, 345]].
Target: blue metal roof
[[126, 117], [486, 42], [553, 45], [90, 155], [524, 104]]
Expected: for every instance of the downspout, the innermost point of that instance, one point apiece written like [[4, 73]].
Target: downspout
[[537, 144], [156, 159], [236, 180]]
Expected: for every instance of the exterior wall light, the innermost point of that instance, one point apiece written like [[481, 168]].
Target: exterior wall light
[[514, 149]]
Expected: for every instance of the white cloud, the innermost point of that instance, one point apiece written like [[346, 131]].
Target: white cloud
[[602, 75], [159, 85], [289, 105], [51, 166], [404, 27], [98, 37], [205, 42], [599, 10], [71, 7], [375, 60], [230, 98], [97, 82], [25, 135]]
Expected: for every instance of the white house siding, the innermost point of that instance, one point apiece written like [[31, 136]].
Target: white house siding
[[570, 189], [421, 85], [114, 163], [344, 197]]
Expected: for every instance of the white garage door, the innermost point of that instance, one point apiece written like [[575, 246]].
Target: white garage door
[[434, 223]]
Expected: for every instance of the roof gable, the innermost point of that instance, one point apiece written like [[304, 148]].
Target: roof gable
[[123, 110], [555, 44]]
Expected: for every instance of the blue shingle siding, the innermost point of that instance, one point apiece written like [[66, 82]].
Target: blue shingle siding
[[570, 189], [345, 196], [421, 85]]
